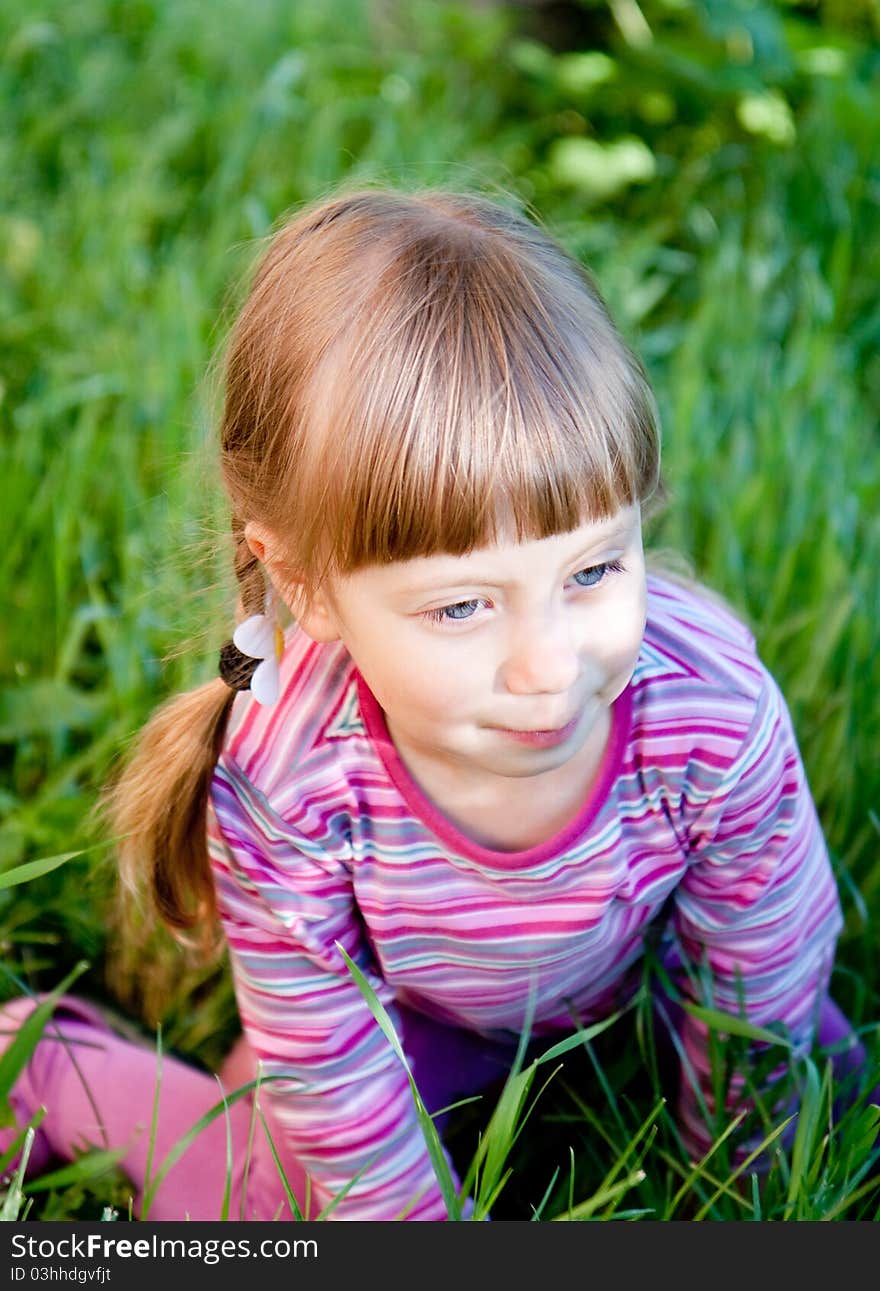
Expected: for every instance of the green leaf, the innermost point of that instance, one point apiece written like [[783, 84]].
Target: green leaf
[[731, 1025], [27, 1038], [435, 1148], [808, 1124], [727, 1184], [33, 869], [500, 1135], [292, 1201], [11, 1207], [176, 1152], [89, 1166], [586, 1209], [580, 1038]]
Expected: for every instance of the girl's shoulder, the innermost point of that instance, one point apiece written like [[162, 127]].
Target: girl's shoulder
[[317, 699], [703, 701], [694, 638]]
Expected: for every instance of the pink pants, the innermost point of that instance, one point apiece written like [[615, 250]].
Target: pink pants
[[99, 1091]]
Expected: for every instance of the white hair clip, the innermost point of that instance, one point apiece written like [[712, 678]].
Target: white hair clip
[[250, 660]]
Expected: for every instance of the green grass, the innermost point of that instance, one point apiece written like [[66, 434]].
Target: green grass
[[145, 148]]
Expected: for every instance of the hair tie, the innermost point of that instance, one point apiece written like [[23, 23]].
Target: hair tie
[[235, 668], [250, 660]]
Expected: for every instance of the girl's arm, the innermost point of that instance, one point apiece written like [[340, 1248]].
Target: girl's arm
[[757, 914], [341, 1104]]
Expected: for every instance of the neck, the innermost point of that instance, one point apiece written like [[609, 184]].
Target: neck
[[509, 813]]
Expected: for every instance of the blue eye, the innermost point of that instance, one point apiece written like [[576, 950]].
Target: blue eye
[[595, 574], [455, 613]]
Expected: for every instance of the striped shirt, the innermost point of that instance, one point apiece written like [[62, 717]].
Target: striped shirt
[[319, 838]]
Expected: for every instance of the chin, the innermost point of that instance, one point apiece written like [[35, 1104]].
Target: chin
[[526, 767]]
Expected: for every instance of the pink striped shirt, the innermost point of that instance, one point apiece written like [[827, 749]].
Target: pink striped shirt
[[319, 836]]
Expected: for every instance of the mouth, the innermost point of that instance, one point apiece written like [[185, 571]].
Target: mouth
[[541, 739]]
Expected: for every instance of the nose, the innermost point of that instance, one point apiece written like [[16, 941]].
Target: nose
[[541, 657]]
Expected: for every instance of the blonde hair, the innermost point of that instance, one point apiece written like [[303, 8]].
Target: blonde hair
[[407, 370]]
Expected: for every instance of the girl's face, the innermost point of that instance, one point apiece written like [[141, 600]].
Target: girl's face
[[499, 664]]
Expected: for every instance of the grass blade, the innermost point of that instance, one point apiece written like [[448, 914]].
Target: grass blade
[[35, 869], [178, 1149], [11, 1208], [729, 1024], [602, 1197], [808, 1122], [26, 1039], [291, 1199], [436, 1151], [89, 1166]]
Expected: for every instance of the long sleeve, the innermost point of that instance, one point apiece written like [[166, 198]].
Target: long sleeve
[[342, 1103], [757, 915]]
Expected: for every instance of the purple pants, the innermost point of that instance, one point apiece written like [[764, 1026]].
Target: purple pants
[[99, 1091]]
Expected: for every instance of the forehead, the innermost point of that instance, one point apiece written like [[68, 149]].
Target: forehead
[[507, 560]]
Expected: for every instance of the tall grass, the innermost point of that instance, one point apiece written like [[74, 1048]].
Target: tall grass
[[145, 149]]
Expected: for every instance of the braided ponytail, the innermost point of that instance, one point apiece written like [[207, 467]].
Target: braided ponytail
[[154, 807]]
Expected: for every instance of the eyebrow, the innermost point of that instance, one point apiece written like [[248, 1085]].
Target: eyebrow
[[474, 579]]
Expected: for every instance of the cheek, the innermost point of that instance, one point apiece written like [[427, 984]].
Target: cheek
[[434, 704], [443, 690], [626, 623], [423, 679]]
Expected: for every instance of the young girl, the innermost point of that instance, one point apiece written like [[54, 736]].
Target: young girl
[[488, 757]]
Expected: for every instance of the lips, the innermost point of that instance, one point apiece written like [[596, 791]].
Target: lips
[[541, 738], [540, 730]]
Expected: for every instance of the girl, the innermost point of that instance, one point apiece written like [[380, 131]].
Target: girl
[[488, 757]]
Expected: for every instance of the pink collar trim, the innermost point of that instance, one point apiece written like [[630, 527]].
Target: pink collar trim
[[452, 837]]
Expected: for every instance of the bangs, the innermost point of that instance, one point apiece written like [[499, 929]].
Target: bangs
[[483, 395]]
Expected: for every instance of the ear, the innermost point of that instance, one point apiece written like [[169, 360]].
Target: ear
[[317, 618]]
